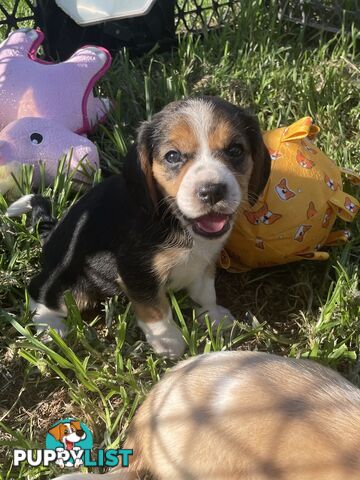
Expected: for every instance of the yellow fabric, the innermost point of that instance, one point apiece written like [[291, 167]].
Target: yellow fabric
[[296, 212]]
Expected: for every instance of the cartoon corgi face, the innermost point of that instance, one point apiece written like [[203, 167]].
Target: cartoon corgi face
[[283, 190], [331, 183], [311, 211], [263, 215], [349, 205], [307, 146], [303, 161], [300, 232], [259, 243], [274, 154], [326, 218]]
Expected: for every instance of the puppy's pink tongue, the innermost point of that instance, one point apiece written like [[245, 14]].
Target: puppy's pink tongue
[[69, 445], [212, 223]]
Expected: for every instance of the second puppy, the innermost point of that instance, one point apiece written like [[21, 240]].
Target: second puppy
[[161, 224], [244, 416]]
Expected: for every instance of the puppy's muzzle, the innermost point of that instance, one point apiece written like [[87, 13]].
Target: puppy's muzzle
[[212, 193], [213, 224]]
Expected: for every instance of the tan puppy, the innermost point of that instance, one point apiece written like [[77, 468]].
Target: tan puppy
[[245, 416]]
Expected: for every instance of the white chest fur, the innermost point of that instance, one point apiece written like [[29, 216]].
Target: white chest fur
[[203, 253]]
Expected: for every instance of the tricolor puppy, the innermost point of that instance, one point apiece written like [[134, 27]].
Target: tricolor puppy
[[160, 224], [245, 416]]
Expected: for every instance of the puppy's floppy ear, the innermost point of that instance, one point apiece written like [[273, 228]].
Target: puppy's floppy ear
[[76, 425], [144, 151], [57, 432], [261, 158], [137, 168]]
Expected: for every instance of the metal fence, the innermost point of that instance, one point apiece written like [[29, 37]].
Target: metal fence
[[197, 15]]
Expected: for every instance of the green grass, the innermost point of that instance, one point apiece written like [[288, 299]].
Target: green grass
[[103, 370]]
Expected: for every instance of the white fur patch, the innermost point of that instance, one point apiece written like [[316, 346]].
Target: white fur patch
[[206, 169], [23, 205], [164, 336], [202, 254], [46, 317], [224, 393]]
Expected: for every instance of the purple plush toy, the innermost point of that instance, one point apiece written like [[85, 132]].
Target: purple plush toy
[[60, 95]]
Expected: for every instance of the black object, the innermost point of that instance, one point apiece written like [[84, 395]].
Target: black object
[[63, 36]]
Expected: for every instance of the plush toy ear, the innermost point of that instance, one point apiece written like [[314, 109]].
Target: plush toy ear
[[261, 161], [57, 431]]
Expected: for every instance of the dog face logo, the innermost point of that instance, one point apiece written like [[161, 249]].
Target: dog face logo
[[283, 190], [69, 443], [308, 148], [303, 161], [326, 218], [331, 183], [311, 211], [274, 154], [300, 232], [263, 215], [69, 435], [349, 205]]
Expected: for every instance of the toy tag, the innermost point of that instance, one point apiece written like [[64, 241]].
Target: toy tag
[[300, 129], [224, 259], [318, 256], [337, 238], [354, 177], [346, 206]]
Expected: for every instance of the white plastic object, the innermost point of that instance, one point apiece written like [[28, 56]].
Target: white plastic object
[[89, 12]]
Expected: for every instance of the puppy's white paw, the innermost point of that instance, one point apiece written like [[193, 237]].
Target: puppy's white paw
[[164, 337], [57, 324], [45, 317], [217, 314]]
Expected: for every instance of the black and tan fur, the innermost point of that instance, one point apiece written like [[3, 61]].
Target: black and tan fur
[[161, 223]]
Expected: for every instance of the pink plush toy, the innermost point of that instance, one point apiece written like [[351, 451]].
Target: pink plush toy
[[45, 108], [43, 140], [30, 87]]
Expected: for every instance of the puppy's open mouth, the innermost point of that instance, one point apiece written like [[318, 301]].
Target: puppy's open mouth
[[69, 445], [211, 225]]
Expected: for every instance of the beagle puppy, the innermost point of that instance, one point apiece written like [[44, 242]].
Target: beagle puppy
[[245, 416], [160, 224]]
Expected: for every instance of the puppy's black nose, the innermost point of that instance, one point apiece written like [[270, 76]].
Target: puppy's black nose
[[212, 193], [80, 433]]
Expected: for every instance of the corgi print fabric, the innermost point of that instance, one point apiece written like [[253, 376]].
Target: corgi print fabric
[[293, 218]]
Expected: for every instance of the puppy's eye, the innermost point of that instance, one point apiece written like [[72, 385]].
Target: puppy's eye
[[173, 157], [36, 138], [235, 150]]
